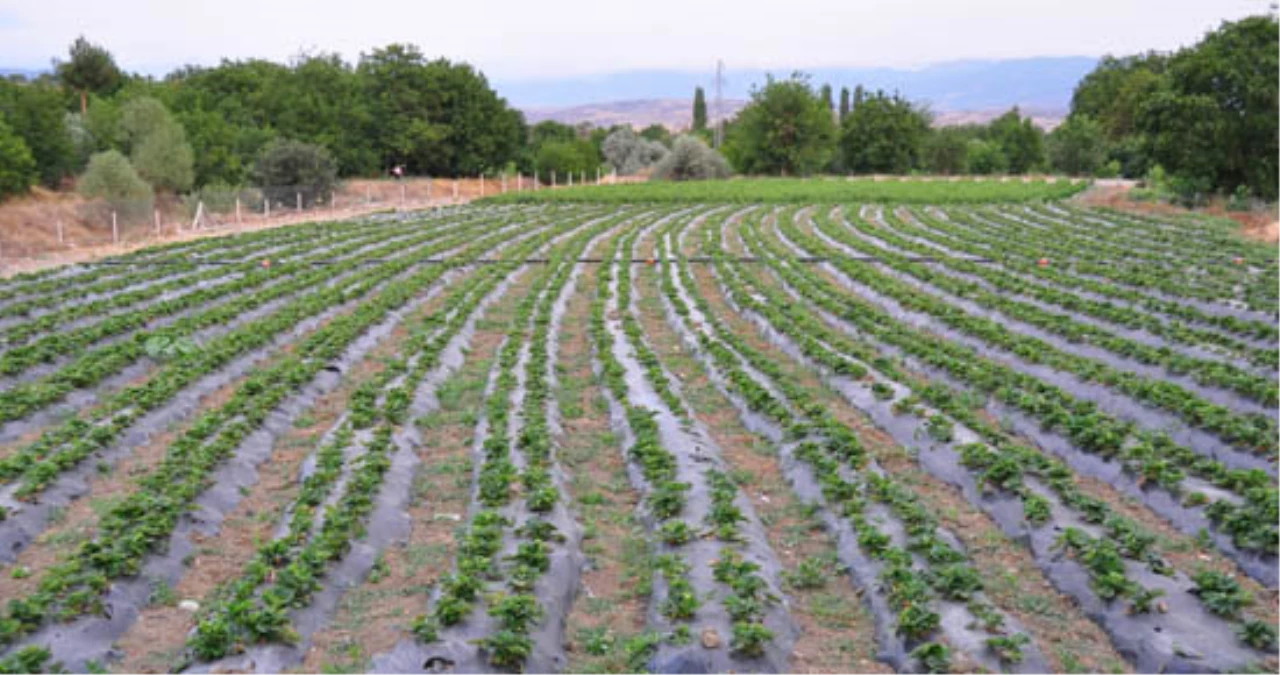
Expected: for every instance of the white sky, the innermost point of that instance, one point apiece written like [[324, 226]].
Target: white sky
[[544, 38]]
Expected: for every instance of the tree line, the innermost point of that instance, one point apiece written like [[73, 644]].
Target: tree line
[[1198, 121]]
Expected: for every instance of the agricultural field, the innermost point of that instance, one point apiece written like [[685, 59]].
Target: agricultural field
[[858, 427]]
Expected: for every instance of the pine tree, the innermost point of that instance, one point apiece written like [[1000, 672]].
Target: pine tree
[[699, 110]]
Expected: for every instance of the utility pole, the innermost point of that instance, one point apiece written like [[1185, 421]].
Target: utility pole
[[719, 137]]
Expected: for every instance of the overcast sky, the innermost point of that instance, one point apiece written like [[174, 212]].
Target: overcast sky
[[546, 38]]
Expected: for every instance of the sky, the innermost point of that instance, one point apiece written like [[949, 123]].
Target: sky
[[532, 39]]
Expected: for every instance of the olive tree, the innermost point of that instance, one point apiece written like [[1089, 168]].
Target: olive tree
[[691, 159], [628, 153], [286, 169]]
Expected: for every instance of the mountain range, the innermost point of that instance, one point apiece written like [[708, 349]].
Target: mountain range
[[955, 91]]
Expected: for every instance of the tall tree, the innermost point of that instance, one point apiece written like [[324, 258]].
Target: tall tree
[[35, 111], [1212, 124], [844, 103], [1021, 141], [825, 93], [1077, 147], [90, 68], [884, 134], [785, 129], [699, 109]]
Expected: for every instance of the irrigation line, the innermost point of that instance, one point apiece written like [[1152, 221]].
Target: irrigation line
[[539, 261]]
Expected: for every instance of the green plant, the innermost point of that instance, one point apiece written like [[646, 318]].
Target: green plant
[[507, 649], [1008, 648], [811, 573], [1258, 634], [934, 657], [750, 639]]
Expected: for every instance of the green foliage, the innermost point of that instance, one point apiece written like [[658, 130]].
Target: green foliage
[[17, 167], [786, 129], [800, 191], [1020, 141], [934, 657], [1258, 634], [656, 133], [110, 176], [699, 109], [1077, 146], [34, 112], [884, 134], [691, 159], [946, 151], [575, 157], [288, 168], [89, 68], [1220, 593], [1008, 648]]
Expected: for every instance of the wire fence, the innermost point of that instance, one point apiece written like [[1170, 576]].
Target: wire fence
[[69, 227]]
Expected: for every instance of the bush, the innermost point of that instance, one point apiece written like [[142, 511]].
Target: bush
[[157, 145], [110, 176], [17, 167], [287, 168], [628, 153], [691, 159]]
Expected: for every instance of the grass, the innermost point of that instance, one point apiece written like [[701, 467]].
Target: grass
[[825, 190]]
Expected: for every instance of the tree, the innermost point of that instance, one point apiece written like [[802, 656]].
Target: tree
[[691, 159], [844, 103], [1113, 91], [985, 158], [699, 109], [564, 157], [90, 68], [288, 168], [825, 93], [110, 176], [1077, 146], [157, 145], [17, 166], [628, 153], [1212, 123], [785, 129], [657, 133], [1019, 140], [884, 134], [946, 151], [35, 112]]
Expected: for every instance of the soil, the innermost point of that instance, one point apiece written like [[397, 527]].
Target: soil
[[373, 616], [1259, 225]]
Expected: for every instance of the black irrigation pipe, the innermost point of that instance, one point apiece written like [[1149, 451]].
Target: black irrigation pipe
[[539, 261]]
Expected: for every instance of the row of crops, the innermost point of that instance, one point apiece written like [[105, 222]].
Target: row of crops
[[213, 453]]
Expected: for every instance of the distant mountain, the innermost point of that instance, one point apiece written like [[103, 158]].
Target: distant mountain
[[1040, 84], [29, 74]]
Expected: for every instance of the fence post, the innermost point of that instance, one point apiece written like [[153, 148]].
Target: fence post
[[60, 242], [299, 194], [368, 196], [333, 201], [238, 222], [597, 175], [482, 185], [519, 182], [582, 178], [157, 222], [266, 207], [428, 189], [570, 183], [455, 189], [504, 182], [553, 178], [115, 229]]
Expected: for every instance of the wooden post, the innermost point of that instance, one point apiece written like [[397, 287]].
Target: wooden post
[[299, 195], [368, 195], [482, 185], [519, 182], [553, 178], [597, 175], [157, 222], [504, 182], [333, 201], [570, 184], [266, 207], [115, 229], [238, 221], [59, 226], [455, 189], [428, 188]]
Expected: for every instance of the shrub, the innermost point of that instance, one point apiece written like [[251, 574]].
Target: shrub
[[286, 169], [157, 145], [628, 153], [17, 167], [110, 176], [691, 159]]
